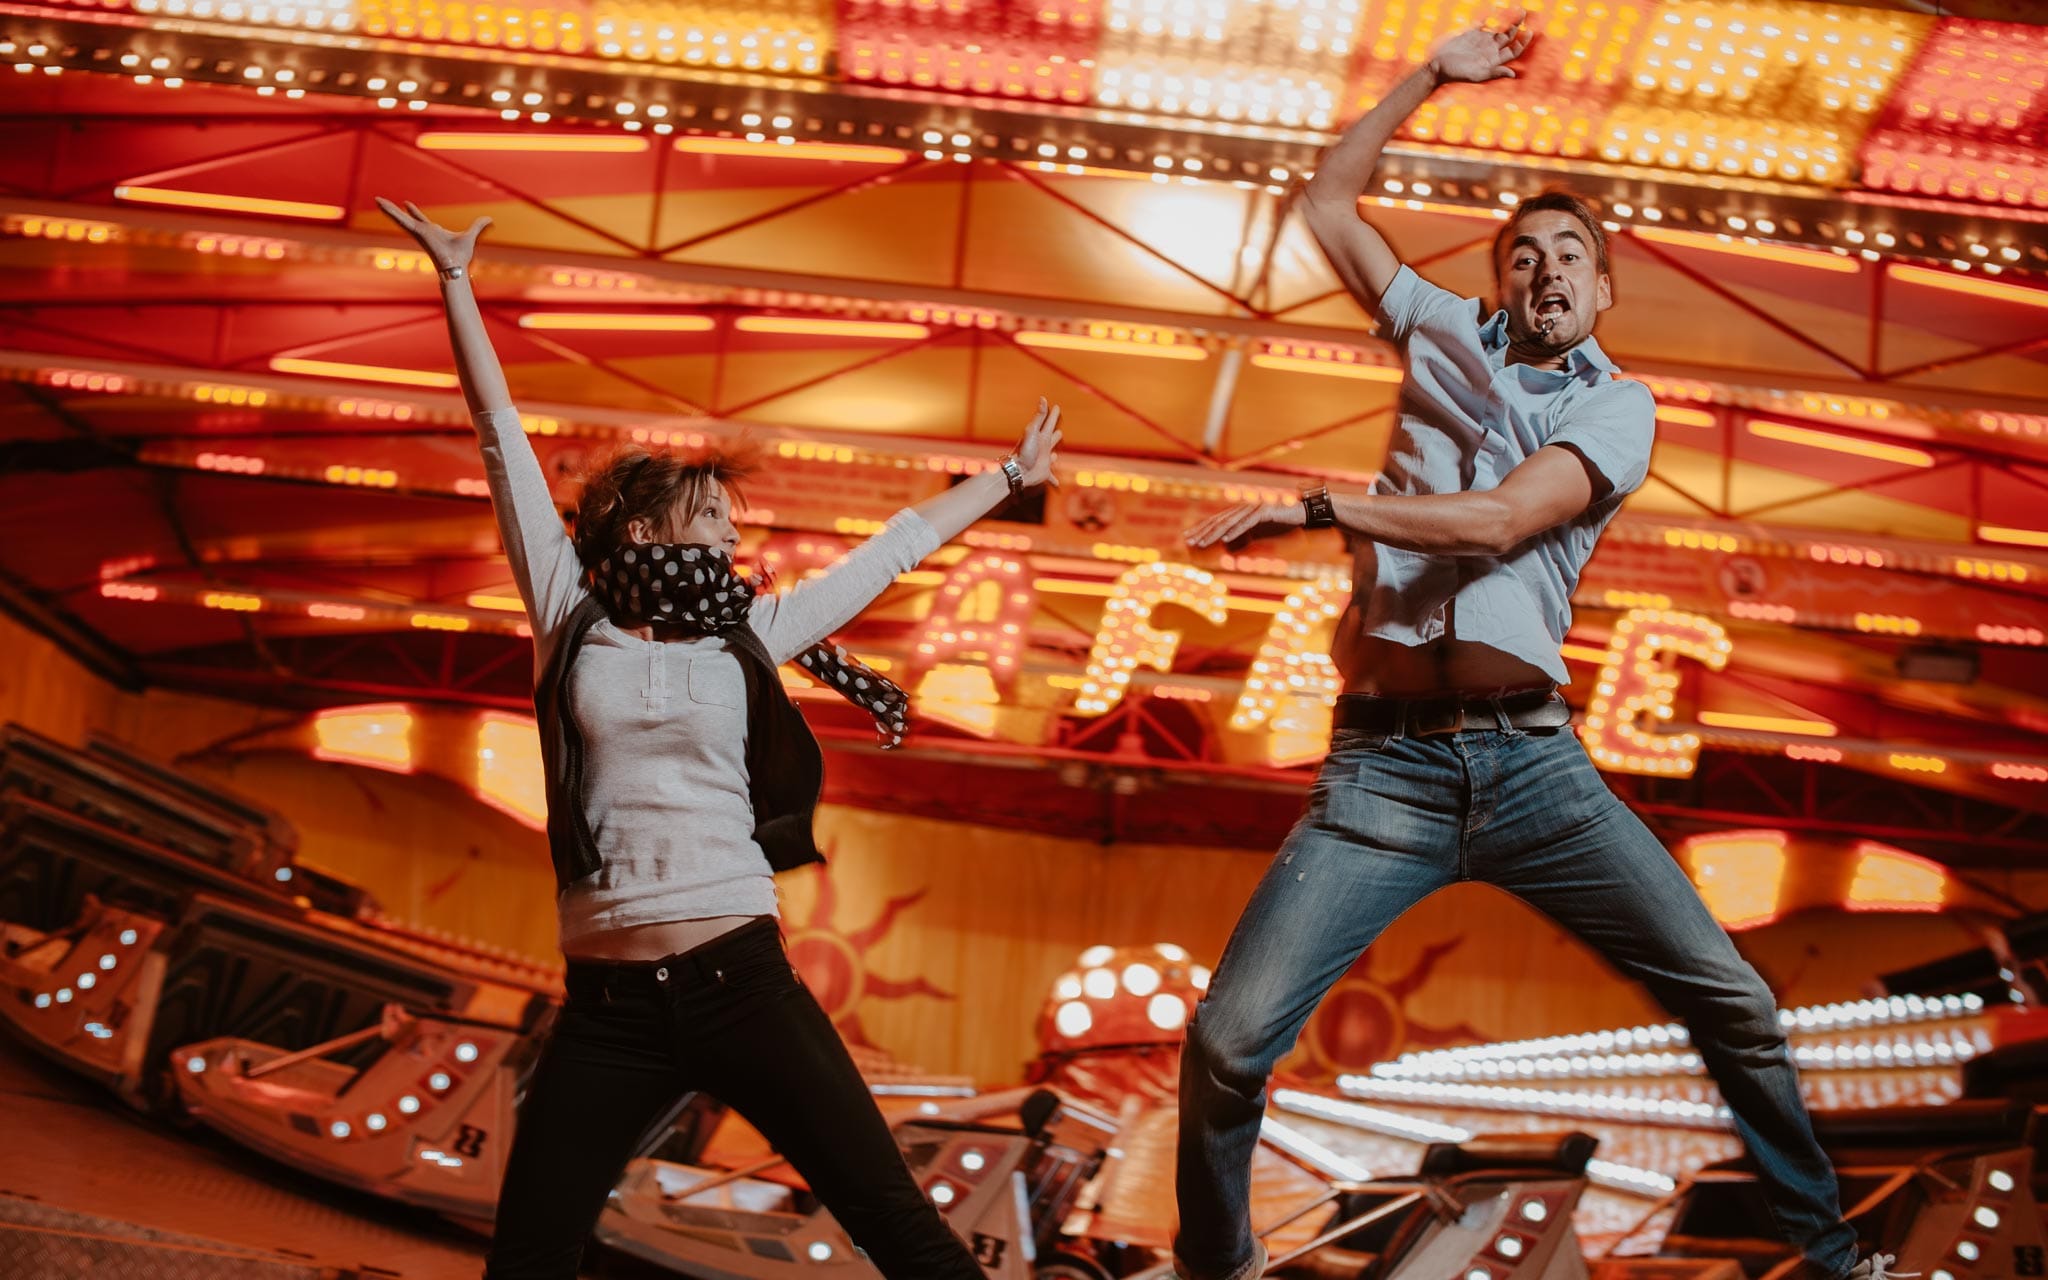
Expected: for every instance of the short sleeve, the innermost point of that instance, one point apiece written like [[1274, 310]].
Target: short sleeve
[[1613, 430], [1411, 303]]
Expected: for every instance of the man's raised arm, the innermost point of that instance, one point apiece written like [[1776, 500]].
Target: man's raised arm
[[1362, 258]]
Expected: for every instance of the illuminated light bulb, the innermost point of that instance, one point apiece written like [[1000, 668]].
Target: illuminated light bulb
[[1073, 1019], [1140, 979], [1166, 1011]]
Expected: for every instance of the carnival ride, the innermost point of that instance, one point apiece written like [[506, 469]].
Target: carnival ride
[[192, 981], [1809, 653]]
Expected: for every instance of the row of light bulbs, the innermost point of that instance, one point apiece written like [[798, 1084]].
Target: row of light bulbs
[[1846, 1015], [628, 110]]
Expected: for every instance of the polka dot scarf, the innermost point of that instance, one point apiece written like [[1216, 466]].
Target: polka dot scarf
[[696, 589]]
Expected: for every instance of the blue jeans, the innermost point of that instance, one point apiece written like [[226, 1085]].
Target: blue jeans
[[1391, 821]]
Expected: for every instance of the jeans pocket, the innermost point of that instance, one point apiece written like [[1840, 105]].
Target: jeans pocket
[[1344, 741]]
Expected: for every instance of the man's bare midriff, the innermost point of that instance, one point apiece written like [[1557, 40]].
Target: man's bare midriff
[[1447, 665], [1370, 664]]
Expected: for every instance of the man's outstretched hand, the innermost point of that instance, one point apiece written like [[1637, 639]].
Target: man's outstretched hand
[[1483, 53], [1247, 522]]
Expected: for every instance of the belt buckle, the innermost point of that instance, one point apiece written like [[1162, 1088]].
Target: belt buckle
[[1430, 721]]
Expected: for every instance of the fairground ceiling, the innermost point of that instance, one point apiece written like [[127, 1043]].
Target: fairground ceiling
[[869, 235]]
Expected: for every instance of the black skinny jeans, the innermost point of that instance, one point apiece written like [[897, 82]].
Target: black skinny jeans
[[731, 1019]]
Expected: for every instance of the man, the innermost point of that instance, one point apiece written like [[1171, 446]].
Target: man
[[1451, 757]]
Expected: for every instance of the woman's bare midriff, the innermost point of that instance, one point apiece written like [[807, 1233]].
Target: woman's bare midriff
[[656, 941]]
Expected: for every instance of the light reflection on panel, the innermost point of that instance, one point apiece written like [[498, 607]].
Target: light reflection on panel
[[1953, 126], [1044, 51], [1763, 90], [1258, 61], [1562, 86]]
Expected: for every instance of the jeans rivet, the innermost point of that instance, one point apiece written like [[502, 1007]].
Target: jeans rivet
[[661, 974]]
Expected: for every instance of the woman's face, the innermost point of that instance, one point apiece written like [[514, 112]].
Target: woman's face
[[708, 523]]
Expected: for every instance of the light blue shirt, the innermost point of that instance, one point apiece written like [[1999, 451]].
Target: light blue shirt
[[1468, 417]]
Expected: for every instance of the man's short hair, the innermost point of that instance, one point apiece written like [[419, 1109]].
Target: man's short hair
[[1555, 200]]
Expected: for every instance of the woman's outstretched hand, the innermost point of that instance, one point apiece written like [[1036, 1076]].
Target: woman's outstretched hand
[[1035, 453], [448, 249]]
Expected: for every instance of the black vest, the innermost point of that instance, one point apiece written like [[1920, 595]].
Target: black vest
[[785, 769]]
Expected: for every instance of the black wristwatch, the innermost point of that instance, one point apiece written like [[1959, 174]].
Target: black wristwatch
[[1317, 510]]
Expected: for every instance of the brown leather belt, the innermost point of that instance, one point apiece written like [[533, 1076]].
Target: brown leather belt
[[1453, 713]]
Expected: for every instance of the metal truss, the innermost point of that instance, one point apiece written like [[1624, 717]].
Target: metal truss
[[576, 89], [1738, 789], [1247, 311]]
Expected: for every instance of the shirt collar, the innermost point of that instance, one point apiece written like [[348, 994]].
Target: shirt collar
[[1587, 355]]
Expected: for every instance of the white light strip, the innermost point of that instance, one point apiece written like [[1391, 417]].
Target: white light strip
[[1393, 1124], [923, 1091], [1838, 1055], [1842, 1056], [1371, 1119], [1554, 1067], [1626, 1177], [1312, 1153], [1585, 1104], [1670, 1036]]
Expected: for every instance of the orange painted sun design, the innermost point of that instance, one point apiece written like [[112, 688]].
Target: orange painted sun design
[[833, 960], [1363, 1021]]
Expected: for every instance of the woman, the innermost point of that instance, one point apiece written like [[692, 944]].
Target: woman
[[680, 776]]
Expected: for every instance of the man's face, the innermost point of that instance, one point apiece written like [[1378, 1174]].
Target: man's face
[[1550, 285]]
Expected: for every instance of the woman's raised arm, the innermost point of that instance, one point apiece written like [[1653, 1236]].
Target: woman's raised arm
[[543, 560], [794, 620]]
